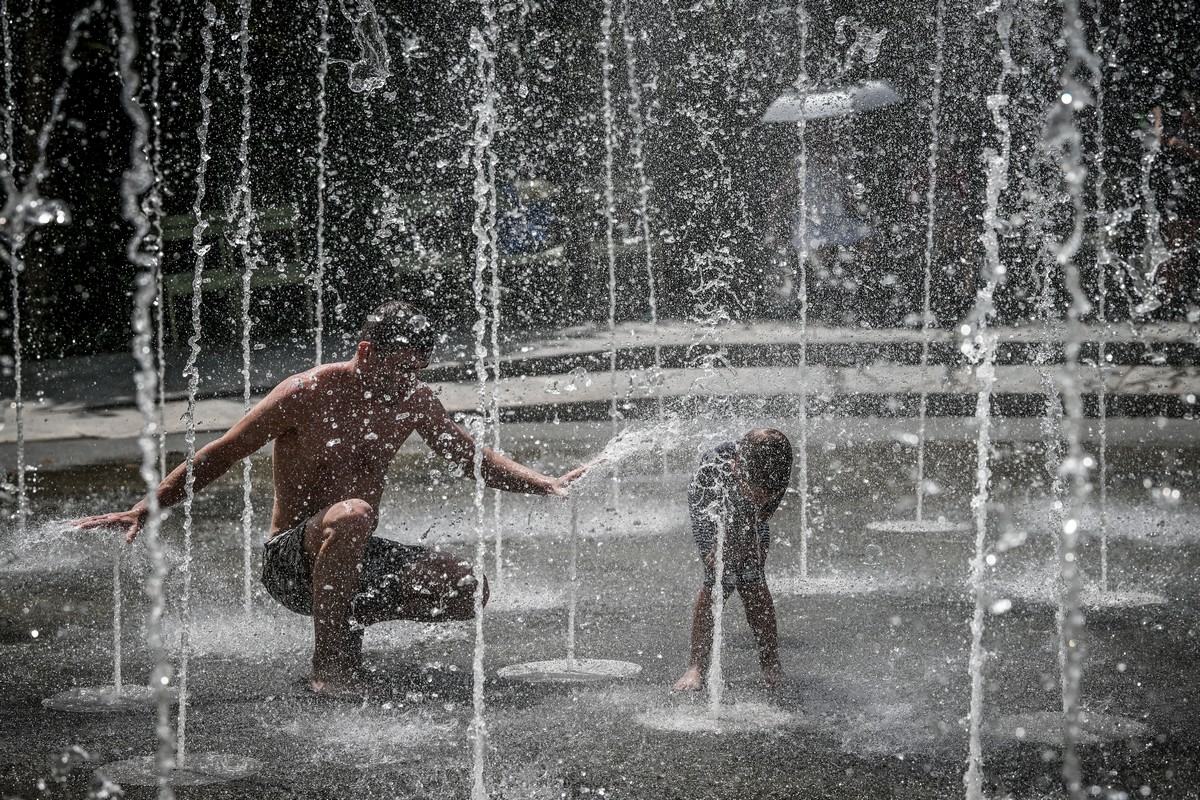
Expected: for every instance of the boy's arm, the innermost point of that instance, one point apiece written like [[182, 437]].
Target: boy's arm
[[450, 441], [264, 422], [771, 506]]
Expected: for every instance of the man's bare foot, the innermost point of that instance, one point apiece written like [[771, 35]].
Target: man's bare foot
[[340, 677], [772, 676], [690, 681]]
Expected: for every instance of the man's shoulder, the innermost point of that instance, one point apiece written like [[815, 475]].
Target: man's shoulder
[[305, 391], [312, 379]]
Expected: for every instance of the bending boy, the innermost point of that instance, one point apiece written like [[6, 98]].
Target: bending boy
[[336, 429], [738, 486]]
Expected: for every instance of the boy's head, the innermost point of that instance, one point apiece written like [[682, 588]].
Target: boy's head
[[397, 325], [765, 456]]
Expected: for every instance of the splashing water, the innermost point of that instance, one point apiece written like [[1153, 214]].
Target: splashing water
[[372, 71], [25, 210]]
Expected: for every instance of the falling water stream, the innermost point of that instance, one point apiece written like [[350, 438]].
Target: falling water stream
[[1064, 139], [318, 279], [190, 370], [24, 210], [610, 217], [9, 166], [484, 42], [493, 415], [154, 208], [243, 236], [982, 349], [931, 166], [573, 576], [716, 680], [1103, 262], [135, 183], [117, 655], [802, 83], [637, 151]]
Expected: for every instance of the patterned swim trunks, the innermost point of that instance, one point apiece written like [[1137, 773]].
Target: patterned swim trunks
[[287, 577]]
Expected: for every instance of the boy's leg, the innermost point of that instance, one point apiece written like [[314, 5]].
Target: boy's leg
[[702, 637], [760, 614], [333, 541]]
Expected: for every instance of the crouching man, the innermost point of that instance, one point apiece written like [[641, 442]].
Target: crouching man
[[336, 429]]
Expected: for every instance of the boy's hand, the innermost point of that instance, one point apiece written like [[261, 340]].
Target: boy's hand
[[132, 520]]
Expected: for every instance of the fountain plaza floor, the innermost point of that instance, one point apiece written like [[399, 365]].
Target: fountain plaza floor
[[874, 639]]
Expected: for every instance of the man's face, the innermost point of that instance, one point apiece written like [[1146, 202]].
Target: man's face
[[404, 360]]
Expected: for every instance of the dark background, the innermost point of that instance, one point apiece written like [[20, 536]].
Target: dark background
[[721, 179]]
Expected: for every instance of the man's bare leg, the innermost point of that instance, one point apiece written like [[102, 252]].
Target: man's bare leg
[[760, 613], [702, 637], [334, 541]]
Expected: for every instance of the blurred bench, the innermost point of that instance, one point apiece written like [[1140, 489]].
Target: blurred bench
[[276, 238]]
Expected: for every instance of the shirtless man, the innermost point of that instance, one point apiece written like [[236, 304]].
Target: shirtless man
[[336, 429]]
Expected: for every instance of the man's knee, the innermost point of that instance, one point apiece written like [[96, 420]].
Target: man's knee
[[348, 523]]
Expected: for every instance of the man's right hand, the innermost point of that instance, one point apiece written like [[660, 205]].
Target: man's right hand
[[131, 520]]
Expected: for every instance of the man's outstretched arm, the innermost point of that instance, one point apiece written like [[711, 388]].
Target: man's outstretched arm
[[261, 424], [450, 441]]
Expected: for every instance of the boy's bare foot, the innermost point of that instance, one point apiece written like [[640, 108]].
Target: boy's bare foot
[[772, 676], [690, 681]]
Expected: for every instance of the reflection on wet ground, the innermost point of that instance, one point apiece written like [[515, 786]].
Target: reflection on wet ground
[[874, 640]]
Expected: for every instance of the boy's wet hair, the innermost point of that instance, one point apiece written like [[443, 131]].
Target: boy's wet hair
[[766, 455], [397, 325]]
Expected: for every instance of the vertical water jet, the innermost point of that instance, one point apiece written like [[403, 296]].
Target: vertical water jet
[[190, 370], [135, 183], [484, 42], [318, 278], [610, 214], [154, 209], [982, 350], [242, 238], [637, 151], [801, 239], [931, 166], [1064, 140]]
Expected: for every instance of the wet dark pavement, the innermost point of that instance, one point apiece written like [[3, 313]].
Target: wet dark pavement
[[875, 643]]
